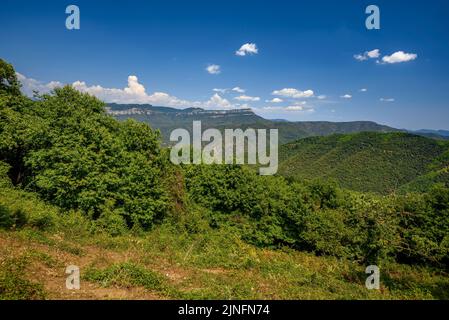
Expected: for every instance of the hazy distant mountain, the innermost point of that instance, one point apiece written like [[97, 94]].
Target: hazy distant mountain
[[430, 132], [167, 119]]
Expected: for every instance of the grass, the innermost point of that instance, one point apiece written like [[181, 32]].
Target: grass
[[169, 264], [14, 285], [128, 274]]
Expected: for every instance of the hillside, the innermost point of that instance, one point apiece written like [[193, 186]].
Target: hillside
[[159, 266], [167, 119], [366, 161], [78, 187]]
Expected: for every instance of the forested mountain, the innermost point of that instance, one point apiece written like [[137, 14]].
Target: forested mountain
[[77, 183], [442, 133], [368, 161], [167, 119]]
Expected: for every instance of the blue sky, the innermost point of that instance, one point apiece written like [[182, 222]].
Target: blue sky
[[159, 52]]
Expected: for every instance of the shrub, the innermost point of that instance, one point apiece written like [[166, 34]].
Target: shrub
[[19, 208], [67, 149], [13, 286]]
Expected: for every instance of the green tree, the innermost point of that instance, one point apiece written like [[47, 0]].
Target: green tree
[[8, 79]]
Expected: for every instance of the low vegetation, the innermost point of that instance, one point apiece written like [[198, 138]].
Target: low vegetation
[[79, 187]]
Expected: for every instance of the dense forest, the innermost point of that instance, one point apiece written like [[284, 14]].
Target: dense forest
[[62, 157], [369, 161]]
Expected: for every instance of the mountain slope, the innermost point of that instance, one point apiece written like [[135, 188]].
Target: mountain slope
[[364, 161], [167, 119]]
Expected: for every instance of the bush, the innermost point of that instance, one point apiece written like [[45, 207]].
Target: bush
[[425, 227], [5, 182], [128, 274], [13, 286], [112, 223], [19, 208], [67, 149]]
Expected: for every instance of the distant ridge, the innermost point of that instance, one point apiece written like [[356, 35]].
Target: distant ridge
[[432, 133], [167, 119]]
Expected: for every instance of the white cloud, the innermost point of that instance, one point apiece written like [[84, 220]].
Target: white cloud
[[135, 92], [368, 55], [270, 108], [247, 98], [322, 97], [238, 89], [292, 108], [293, 93], [213, 69], [275, 100], [346, 96], [387, 99], [247, 49], [299, 108], [398, 57], [373, 53], [222, 91], [217, 102], [363, 90], [29, 85]]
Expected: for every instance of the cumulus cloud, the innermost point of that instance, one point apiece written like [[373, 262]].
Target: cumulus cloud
[[293, 108], [213, 69], [293, 93], [373, 54], [226, 90], [346, 96], [270, 108], [299, 108], [247, 98], [398, 57], [218, 102], [247, 49], [275, 100], [135, 92], [238, 89], [321, 97], [29, 85]]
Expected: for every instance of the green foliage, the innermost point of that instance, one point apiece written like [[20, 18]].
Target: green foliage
[[425, 227], [64, 162], [8, 79], [13, 285], [111, 223], [129, 274], [4, 178], [319, 217], [264, 209], [64, 147], [19, 208], [367, 161]]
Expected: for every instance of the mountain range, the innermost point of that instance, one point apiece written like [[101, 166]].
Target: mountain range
[[167, 119], [358, 155]]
